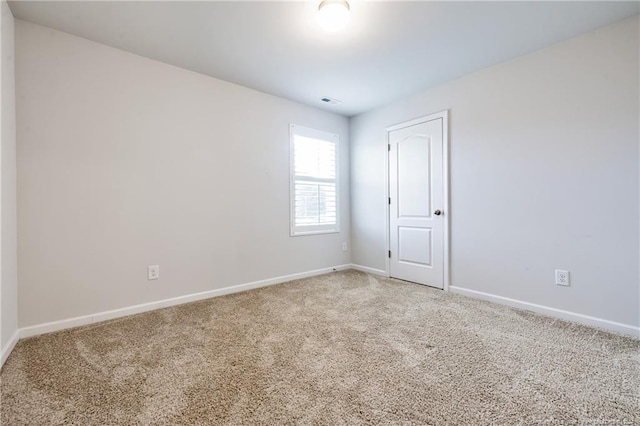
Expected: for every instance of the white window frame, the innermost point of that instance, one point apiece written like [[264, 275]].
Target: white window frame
[[294, 230]]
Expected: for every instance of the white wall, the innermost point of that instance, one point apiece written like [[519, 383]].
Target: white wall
[[8, 250], [544, 175], [125, 162]]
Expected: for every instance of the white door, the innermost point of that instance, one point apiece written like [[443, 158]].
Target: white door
[[416, 202]]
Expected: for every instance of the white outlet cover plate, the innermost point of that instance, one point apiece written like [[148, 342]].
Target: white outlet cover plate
[[153, 272], [562, 278]]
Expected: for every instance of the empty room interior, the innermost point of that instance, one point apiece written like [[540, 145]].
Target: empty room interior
[[320, 212]]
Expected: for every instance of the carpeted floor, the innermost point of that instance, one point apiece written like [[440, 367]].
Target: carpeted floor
[[344, 348]]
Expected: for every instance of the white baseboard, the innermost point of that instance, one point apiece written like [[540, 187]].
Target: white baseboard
[[145, 307], [50, 327], [6, 351], [369, 270], [552, 312]]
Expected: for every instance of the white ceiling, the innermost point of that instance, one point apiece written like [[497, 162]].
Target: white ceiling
[[390, 49]]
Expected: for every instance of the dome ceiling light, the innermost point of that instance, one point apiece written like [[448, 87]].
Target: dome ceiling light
[[333, 15]]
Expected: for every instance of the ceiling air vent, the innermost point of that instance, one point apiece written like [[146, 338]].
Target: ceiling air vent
[[330, 101]]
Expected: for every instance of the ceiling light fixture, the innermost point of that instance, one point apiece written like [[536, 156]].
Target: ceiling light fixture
[[333, 15]]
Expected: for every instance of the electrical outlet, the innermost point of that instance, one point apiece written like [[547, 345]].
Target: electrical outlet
[[562, 277], [344, 246], [153, 272]]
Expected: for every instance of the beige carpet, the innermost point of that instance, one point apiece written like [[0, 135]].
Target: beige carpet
[[344, 348]]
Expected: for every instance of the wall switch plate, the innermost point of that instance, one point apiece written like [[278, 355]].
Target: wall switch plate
[[344, 246], [153, 272], [562, 277]]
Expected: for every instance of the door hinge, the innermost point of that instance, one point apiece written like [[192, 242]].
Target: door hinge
[[389, 254], [389, 147], [389, 200]]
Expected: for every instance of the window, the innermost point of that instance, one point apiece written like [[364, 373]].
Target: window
[[314, 184]]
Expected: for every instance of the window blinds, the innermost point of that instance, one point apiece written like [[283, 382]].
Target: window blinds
[[314, 181]]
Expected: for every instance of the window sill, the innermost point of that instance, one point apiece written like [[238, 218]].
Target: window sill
[[303, 233]]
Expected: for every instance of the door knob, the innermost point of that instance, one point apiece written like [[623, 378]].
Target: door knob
[[437, 212]]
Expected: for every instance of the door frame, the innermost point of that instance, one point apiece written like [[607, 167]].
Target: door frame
[[444, 115]]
